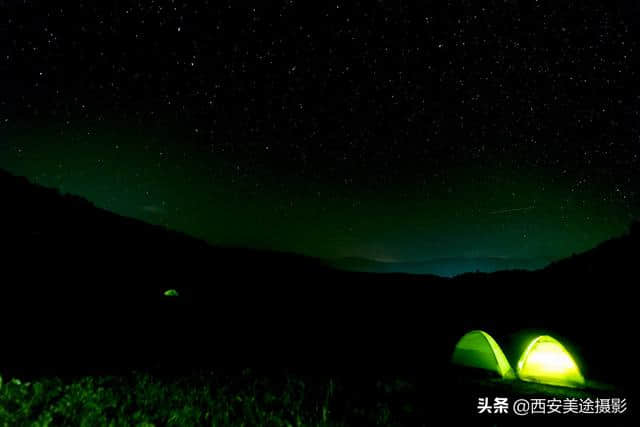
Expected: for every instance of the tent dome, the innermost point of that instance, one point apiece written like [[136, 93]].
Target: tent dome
[[477, 349], [546, 361]]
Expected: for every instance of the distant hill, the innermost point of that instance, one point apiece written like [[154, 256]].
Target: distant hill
[[618, 257], [445, 267]]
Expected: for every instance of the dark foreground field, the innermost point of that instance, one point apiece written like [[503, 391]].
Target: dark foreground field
[[352, 358], [277, 397]]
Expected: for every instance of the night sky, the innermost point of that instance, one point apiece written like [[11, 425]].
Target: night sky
[[395, 131]]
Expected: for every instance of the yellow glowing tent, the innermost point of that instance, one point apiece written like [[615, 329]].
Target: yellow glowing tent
[[477, 349], [546, 361]]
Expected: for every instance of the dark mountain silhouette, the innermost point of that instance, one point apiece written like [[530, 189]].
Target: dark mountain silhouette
[[82, 286], [66, 231], [617, 257], [445, 266]]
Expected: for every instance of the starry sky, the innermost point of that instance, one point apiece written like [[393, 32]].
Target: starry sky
[[393, 131]]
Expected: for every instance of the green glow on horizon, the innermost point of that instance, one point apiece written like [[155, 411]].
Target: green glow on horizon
[[171, 293], [477, 349], [546, 361], [155, 176]]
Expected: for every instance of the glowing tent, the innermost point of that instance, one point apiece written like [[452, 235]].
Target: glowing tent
[[477, 349], [171, 293], [546, 361]]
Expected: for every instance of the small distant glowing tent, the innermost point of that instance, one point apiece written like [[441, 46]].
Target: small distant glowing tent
[[171, 293], [546, 361], [477, 349]]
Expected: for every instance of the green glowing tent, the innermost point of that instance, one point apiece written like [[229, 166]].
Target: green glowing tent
[[477, 349], [171, 293], [546, 361]]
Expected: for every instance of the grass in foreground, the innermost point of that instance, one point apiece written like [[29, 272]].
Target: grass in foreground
[[144, 399]]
